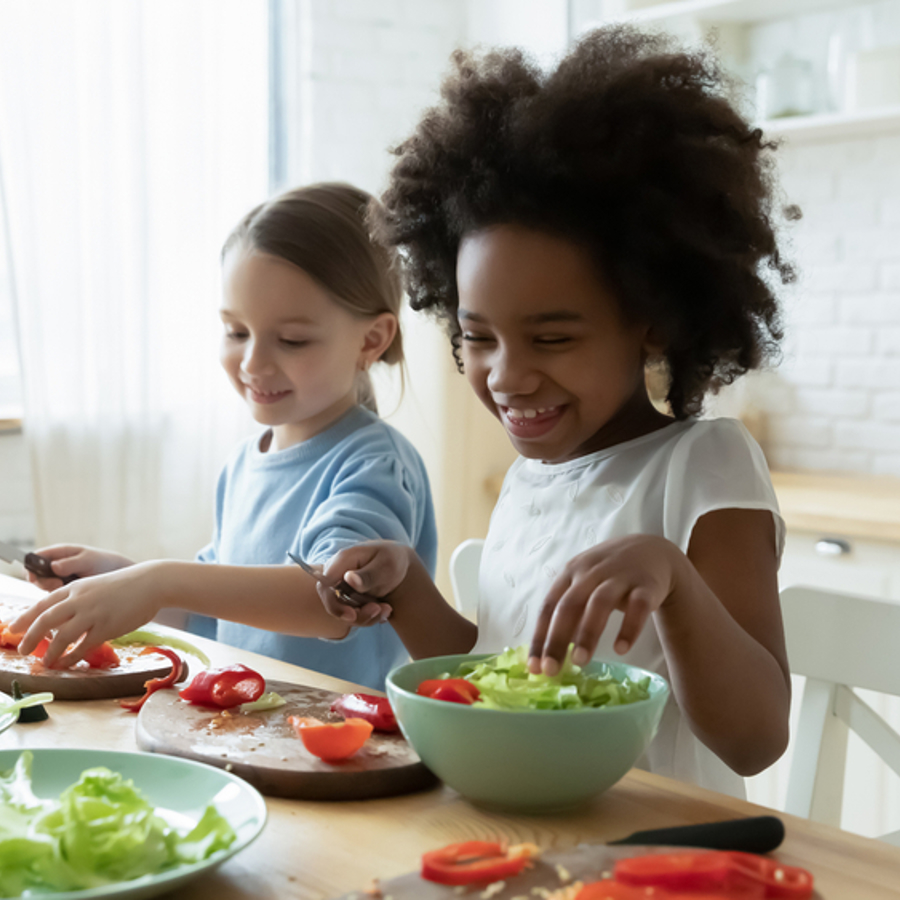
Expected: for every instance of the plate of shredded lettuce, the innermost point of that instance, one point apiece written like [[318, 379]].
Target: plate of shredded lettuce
[[504, 682], [79, 824]]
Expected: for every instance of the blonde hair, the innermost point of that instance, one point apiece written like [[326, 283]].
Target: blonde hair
[[322, 229]]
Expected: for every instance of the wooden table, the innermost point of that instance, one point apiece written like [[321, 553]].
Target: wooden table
[[316, 850]]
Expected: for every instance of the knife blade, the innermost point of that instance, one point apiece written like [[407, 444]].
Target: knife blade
[[755, 834], [342, 589], [37, 565]]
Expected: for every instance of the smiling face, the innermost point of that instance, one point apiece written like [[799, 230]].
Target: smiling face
[[546, 348], [290, 350]]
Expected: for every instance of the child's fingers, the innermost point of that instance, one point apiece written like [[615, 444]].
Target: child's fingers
[[638, 609], [603, 600], [544, 620], [22, 624], [334, 606]]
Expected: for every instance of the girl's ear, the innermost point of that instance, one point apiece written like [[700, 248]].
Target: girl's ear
[[655, 343], [378, 337]]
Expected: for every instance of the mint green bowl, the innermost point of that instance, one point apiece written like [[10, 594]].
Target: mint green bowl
[[529, 760]]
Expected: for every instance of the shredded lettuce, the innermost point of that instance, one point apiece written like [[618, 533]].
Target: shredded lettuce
[[506, 683], [100, 831]]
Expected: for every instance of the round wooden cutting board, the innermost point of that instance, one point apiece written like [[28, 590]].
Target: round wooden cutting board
[[81, 682], [264, 749]]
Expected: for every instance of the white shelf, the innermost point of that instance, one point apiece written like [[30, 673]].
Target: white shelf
[[834, 126], [723, 10]]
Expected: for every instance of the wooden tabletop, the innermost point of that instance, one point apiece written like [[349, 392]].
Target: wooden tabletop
[[318, 850]]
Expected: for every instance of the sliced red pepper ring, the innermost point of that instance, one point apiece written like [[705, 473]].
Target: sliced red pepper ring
[[455, 690], [226, 687], [473, 862], [369, 708], [331, 741], [156, 684], [716, 870], [608, 889]]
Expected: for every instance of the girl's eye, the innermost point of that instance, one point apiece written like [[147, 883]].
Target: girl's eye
[[474, 338], [235, 335], [552, 341], [289, 343]]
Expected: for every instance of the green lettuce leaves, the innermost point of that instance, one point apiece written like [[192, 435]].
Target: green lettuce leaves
[[101, 830], [506, 683]]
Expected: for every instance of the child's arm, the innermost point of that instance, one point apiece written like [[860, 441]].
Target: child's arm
[[75, 559], [422, 618], [277, 598], [719, 620]]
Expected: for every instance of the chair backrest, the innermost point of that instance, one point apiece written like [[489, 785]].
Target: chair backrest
[[464, 564], [839, 642]]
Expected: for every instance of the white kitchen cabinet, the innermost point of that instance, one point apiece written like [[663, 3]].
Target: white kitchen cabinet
[[863, 566], [728, 26]]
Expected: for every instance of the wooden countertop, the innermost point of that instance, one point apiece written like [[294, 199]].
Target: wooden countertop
[[314, 851], [827, 503]]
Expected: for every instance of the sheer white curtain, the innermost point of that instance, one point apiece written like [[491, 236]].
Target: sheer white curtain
[[133, 135]]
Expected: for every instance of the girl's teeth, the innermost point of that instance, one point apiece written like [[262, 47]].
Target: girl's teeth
[[526, 413]]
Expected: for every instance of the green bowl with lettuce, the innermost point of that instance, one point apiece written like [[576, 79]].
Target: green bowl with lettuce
[[532, 743]]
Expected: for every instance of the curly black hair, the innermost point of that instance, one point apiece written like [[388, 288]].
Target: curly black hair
[[631, 148]]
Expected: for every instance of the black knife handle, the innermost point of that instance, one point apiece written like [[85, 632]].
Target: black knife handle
[[40, 566], [757, 834]]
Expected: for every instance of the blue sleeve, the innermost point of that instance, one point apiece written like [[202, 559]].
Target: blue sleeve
[[372, 498]]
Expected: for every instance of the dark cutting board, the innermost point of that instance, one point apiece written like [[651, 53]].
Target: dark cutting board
[[552, 871], [264, 749], [81, 682]]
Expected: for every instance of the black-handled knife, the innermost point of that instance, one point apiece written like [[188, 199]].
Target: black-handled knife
[[755, 834], [38, 565]]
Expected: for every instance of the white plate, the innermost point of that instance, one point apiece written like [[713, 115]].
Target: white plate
[[181, 786], [7, 719]]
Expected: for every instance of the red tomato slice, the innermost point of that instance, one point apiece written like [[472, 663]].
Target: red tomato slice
[[331, 741], [471, 862], [102, 657]]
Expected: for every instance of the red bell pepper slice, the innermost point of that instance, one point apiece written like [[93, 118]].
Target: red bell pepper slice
[[225, 688], [153, 685], [375, 710], [615, 890], [331, 741], [472, 862], [455, 690], [717, 870]]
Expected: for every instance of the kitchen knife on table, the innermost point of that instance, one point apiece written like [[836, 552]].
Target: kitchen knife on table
[[37, 565], [755, 834], [342, 589]]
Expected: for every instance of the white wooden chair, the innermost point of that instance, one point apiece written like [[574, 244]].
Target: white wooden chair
[[839, 642], [464, 565]]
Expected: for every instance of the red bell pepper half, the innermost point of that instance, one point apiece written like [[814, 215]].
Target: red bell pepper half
[[331, 741], [225, 688], [456, 690], [375, 710], [156, 684], [717, 871], [472, 862]]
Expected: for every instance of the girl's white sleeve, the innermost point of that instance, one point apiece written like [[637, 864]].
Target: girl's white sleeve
[[716, 465]]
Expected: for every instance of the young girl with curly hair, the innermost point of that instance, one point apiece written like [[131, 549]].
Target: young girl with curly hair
[[309, 304], [572, 229]]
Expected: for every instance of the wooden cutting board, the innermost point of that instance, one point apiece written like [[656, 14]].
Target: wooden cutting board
[[79, 682], [552, 871], [263, 748]]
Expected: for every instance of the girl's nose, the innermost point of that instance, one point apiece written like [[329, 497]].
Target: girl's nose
[[511, 372], [255, 360]]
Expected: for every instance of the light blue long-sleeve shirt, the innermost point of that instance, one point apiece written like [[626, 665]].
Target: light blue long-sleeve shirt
[[359, 480]]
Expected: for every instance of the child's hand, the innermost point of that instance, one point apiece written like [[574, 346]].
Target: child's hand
[[635, 574], [73, 559], [87, 613], [376, 568]]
